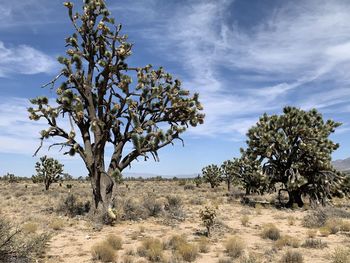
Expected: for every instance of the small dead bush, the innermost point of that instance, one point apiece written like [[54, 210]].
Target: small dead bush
[[270, 231], [340, 255], [234, 247], [114, 241], [153, 206], [104, 252], [152, 249], [292, 257], [70, 206], [314, 243]]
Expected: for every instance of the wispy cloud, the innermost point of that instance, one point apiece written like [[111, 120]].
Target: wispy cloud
[[24, 59], [300, 48]]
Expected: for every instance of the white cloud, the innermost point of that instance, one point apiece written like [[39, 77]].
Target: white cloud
[[24, 59], [298, 47]]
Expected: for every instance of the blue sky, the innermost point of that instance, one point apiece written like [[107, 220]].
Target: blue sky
[[243, 57]]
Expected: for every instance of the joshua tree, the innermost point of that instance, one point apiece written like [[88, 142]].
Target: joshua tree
[[212, 175], [230, 171], [48, 170], [295, 151], [109, 102]]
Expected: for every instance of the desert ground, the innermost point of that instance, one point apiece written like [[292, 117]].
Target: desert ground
[[159, 221]]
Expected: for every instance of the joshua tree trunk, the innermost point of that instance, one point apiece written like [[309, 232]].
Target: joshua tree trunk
[[295, 198], [229, 185]]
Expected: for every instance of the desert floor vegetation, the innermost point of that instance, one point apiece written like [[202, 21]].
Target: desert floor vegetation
[[162, 224]]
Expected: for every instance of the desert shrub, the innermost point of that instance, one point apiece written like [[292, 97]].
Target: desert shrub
[[174, 207], [311, 233], [292, 257], [251, 258], [208, 215], [18, 246], [114, 241], [324, 231], [270, 231], [153, 206], [317, 218], [203, 245], [187, 251], [345, 226], [152, 249], [291, 220], [70, 206], [285, 241], [175, 242], [56, 224], [133, 210], [30, 227], [245, 220], [189, 187], [225, 260], [234, 247], [340, 255], [314, 243], [104, 252], [127, 259], [182, 182], [173, 202]]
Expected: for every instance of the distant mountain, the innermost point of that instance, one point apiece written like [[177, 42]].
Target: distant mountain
[[342, 165]]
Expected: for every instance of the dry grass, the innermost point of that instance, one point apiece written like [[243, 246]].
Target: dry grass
[[75, 236], [234, 247]]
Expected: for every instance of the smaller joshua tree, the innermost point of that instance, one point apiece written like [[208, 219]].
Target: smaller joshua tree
[[48, 171], [230, 170], [212, 175], [208, 215]]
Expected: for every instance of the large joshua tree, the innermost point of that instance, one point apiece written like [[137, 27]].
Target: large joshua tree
[[107, 102], [295, 151]]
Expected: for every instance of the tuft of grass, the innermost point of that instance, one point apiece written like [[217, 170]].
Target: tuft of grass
[[324, 231], [104, 252], [188, 252], [114, 241], [311, 233], [291, 220], [152, 249], [314, 243], [270, 231], [56, 224], [285, 241], [292, 257], [30, 228], [341, 255], [203, 245], [245, 220], [234, 247]]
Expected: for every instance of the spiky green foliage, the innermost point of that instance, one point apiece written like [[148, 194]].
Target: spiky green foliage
[[10, 178], [208, 215], [48, 171], [251, 175], [230, 171], [295, 151], [110, 102], [198, 180], [212, 175]]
